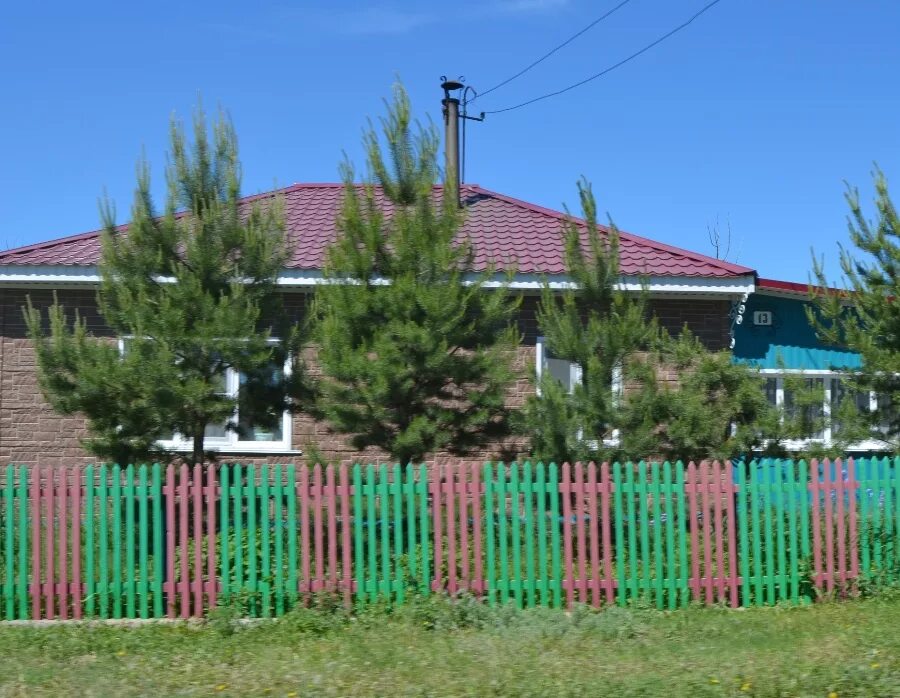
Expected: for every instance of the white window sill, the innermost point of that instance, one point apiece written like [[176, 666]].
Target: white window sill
[[249, 449]]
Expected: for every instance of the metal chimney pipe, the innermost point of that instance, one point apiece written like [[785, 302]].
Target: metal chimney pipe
[[451, 139]]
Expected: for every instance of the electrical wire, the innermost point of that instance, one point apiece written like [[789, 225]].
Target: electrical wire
[[550, 53], [610, 68]]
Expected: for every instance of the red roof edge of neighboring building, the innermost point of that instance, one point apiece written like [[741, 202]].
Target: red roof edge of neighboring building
[[795, 287]]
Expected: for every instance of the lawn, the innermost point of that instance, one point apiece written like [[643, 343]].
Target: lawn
[[842, 649]]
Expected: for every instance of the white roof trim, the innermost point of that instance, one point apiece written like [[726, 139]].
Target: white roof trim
[[66, 275]]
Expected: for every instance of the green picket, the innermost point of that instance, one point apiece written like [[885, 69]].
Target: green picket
[[384, 510], [657, 535], [527, 491], [265, 569], [777, 484], [886, 482], [684, 577], [515, 522], [293, 586], [143, 543], [117, 540], [541, 509], [793, 492], [251, 499], [372, 572], [504, 559], [131, 606], [755, 533], [769, 533], [237, 491], [278, 518], [23, 543], [876, 517], [670, 537], [359, 563], [409, 489], [555, 542], [895, 485], [618, 517], [397, 489]]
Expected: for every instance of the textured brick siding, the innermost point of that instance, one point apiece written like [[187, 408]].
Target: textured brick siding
[[30, 432]]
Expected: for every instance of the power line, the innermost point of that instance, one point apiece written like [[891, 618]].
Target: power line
[[610, 68], [550, 53]]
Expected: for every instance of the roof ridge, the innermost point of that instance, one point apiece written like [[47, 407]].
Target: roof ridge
[[662, 246]]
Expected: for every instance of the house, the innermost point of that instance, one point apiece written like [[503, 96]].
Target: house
[[686, 288], [776, 337]]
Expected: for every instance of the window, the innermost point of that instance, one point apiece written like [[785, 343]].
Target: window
[[249, 438], [834, 390], [568, 373]]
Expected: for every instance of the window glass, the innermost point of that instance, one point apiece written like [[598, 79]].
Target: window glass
[[252, 432], [771, 391], [811, 415]]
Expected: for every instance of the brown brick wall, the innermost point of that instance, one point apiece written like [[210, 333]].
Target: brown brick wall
[[30, 432]]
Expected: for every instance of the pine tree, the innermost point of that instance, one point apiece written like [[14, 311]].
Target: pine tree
[[602, 328], [866, 317], [415, 355], [191, 292], [716, 409]]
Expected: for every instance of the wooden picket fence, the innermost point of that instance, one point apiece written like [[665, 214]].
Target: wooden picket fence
[[157, 541]]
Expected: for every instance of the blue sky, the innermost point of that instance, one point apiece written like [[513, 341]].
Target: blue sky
[[754, 115]]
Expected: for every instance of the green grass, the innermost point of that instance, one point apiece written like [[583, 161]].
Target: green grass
[[433, 648]]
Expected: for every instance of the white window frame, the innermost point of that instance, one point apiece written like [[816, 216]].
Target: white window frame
[[800, 444], [231, 442]]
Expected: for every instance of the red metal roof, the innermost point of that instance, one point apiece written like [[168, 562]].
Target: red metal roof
[[503, 231], [795, 288]]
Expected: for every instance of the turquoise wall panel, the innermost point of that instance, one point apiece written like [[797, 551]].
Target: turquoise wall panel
[[790, 338]]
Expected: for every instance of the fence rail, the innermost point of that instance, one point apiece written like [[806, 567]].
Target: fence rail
[[155, 541]]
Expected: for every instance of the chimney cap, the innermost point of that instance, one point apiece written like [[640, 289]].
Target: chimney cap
[[451, 85]]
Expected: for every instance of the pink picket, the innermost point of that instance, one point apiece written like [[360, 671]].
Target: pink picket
[[691, 488], [816, 522], [76, 543], [331, 500], [581, 534], [595, 526], [463, 490], [829, 528], [319, 530], [196, 486], [842, 562], [304, 501], [731, 492], [853, 542], [449, 477], [437, 583], [716, 487], [212, 495]]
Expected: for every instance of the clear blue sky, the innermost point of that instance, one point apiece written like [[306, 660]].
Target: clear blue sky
[[755, 114]]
